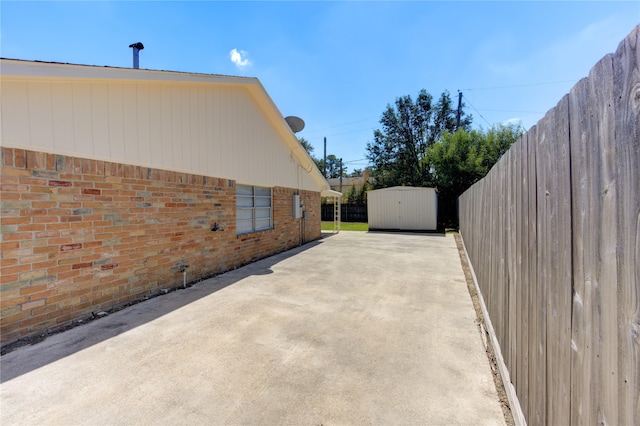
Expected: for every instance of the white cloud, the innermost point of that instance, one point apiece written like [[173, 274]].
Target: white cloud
[[513, 122], [239, 57]]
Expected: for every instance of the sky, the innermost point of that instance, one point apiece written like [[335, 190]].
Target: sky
[[338, 64]]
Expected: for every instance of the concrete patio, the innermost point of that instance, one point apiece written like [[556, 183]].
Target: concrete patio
[[357, 328]]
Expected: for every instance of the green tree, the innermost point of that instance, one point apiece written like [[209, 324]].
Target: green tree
[[333, 167], [307, 147], [333, 162], [352, 197], [409, 128], [358, 196], [460, 159]]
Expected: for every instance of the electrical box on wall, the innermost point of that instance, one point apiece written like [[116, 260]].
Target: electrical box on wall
[[297, 210]]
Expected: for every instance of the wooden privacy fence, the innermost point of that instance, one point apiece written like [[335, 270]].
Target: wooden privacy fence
[[553, 234]]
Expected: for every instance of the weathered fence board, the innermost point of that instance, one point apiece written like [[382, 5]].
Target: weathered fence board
[[594, 335], [553, 234], [511, 259], [556, 263], [627, 131], [543, 157], [522, 241], [533, 275]]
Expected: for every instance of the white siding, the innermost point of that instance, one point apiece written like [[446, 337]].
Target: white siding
[[81, 135], [130, 126], [140, 121], [99, 143], [404, 208], [63, 128], [115, 108], [40, 113], [221, 129], [15, 111]]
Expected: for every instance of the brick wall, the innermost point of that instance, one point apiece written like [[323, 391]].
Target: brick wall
[[80, 236]]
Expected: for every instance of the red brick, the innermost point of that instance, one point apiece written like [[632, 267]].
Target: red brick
[[42, 189], [45, 219], [58, 269], [16, 269], [6, 302], [17, 236], [93, 244], [44, 265], [46, 249], [65, 242], [15, 172], [35, 320], [6, 279], [34, 197], [10, 196], [16, 318], [57, 226], [69, 219], [8, 262], [80, 225], [31, 228], [68, 247], [70, 205], [47, 234], [43, 310], [59, 183], [9, 245], [33, 304], [109, 266], [25, 291], [68, 191], [43, 204], [70, 274], [82, 265], [32, 181], [33, 212]]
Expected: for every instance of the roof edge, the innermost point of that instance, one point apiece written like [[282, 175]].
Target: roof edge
[[21, 67]]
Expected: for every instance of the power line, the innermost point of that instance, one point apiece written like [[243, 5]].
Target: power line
[[337, 134], [520, 112], [338, 125], [522, 85], [474, 108]]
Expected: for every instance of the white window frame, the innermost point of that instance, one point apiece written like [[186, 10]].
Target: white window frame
[[254, 209]]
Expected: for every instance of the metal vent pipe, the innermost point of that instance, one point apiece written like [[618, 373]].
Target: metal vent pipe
[[137, 47]]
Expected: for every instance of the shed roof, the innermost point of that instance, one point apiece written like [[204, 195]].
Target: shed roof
[[403, 188]]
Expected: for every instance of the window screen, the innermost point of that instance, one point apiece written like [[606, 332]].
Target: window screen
[[253, 209]]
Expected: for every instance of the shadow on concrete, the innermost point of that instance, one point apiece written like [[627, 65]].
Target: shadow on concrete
[[25, 357], [405, 232]]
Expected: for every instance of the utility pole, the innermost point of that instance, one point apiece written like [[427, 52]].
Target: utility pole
[[324, 163], [459, 109], [341, 175]]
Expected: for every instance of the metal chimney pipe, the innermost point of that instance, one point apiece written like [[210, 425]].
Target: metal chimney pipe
[[137, 47]]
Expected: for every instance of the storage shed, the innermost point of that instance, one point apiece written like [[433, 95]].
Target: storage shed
[[403, 208]]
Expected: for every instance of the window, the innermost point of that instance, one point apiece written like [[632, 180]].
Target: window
[[253, 209]]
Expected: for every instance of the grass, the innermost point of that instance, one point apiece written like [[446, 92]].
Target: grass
[[346, 226]]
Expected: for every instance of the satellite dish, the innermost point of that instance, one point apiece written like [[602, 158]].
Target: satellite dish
[[296, 123]]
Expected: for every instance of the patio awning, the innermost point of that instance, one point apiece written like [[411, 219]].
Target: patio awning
[[330, 193]]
